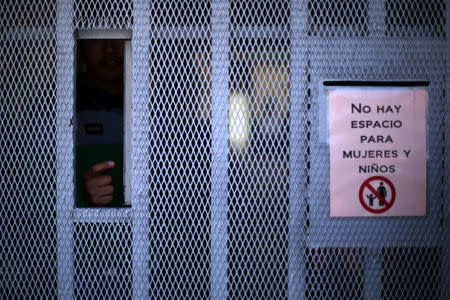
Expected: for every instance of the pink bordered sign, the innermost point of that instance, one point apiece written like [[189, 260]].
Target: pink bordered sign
[[377, 139]]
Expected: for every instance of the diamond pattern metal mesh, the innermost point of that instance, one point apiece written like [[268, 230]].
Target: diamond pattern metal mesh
[[179, 168], [229, 174], [102, 267], [338, 18], [27, 155], [103, 14], [258, 170]]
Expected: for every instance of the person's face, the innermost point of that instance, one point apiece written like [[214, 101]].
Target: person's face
[[104, 58]]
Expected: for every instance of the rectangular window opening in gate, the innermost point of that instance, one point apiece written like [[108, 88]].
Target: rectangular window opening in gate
[[102, 91]]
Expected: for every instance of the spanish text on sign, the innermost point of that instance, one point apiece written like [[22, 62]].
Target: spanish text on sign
[[377, 133]]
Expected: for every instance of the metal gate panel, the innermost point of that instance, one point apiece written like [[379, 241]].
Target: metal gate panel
[[179, 209], [229, 169], [258, 162], [28, 250], [368, 254]]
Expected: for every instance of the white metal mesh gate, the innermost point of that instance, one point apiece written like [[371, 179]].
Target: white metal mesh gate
[[229, 178]]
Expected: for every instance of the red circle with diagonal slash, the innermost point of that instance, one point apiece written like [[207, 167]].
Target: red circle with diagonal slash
[[366, 184]]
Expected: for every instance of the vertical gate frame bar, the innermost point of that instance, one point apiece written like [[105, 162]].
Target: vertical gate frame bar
[[220, 36], [374, 271], [139, 147], [297, 165], [127, 140], [377, 25], [64, 146], [445, 262]]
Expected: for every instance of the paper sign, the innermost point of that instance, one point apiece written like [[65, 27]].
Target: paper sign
[[377, 151]]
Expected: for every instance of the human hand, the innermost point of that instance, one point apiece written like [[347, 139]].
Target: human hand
[[98, 186]]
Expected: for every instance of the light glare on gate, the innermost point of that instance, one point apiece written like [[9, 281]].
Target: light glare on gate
[[238, 116]]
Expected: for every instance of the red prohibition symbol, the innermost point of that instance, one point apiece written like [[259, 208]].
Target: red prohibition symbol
[[378, 193]]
